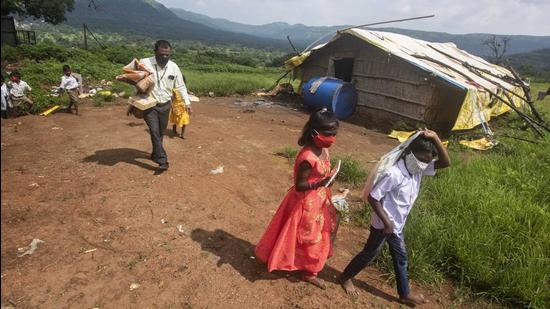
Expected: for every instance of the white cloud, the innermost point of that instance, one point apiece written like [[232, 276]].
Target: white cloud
[[455, 16]]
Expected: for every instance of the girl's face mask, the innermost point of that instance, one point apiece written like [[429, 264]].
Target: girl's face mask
[[414, 165], [323, 141]]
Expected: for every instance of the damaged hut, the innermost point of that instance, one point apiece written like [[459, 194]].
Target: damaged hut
[[397, 77]]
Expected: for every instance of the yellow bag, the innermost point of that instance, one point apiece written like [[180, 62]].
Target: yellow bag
[[178, 114]]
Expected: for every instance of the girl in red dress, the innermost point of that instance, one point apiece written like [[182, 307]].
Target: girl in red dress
[[299, 235]]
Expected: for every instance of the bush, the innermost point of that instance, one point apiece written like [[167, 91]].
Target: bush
[[351, 171], [9, 53]]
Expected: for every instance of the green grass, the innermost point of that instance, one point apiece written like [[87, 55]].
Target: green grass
[[220, 71], [287, 152], [485, 221], [351, 171], [224, 83]]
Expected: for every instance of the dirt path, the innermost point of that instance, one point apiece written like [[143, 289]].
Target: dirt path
[[84, 183]]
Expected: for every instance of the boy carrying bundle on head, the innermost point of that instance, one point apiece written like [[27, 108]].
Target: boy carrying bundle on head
[[392, 193]]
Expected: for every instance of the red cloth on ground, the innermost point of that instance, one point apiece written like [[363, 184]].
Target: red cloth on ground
[[298, 237]]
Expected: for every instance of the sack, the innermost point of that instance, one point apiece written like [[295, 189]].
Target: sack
[[133, 72], [142, 102], [146, 85]]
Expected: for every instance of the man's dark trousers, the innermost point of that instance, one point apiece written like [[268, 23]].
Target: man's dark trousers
[[157, 119]]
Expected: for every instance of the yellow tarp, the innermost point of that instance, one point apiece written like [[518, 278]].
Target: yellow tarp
[[296, 60], [402, 136], [479, 104], [478, 144]]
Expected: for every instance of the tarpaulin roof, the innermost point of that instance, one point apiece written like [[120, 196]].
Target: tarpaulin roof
[[443, 60]]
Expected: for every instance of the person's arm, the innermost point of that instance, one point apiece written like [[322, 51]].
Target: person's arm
[[443, 159], [180, 86], [301, 184], [379, 210]]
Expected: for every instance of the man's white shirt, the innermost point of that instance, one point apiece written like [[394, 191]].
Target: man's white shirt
[[166, 79], [397, 191]]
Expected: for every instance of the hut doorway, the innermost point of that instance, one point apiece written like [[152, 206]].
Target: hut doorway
[[343, 69]]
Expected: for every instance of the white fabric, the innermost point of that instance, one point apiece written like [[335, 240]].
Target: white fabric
[[166, 79], [385, 163], [19, 89], [397, 191], [5, 97], [68, 82]]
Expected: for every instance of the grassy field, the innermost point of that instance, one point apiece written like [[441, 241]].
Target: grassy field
[[485, 221], [222, 72]]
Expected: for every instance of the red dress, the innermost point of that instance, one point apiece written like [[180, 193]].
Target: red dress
[[298, 237]]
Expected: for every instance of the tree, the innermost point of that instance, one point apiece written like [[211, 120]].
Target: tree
[[497, 46], [52, 11]]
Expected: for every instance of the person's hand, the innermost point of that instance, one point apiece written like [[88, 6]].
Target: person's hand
[[429, 134], [189, 110], [388, 228]]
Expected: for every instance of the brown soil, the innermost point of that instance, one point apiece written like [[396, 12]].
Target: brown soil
[[86, 182]]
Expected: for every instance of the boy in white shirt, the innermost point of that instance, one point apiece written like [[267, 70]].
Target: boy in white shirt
[[19, 91], [392, 198], [70, 84]]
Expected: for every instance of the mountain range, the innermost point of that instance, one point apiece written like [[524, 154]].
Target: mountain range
[[303, 35], [152, 19]]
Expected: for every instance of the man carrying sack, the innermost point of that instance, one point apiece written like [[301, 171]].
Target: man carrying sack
[[167, 77]]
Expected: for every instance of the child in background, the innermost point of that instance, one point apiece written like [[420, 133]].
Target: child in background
[[392, 198], [6, 104], [179, 116], [69, 83], [299, 235], [19, 93]]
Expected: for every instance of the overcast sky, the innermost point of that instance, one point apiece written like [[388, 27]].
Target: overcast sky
[[530, 17]]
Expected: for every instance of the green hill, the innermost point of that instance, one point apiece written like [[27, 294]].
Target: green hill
[[150, 18], [535, 63]]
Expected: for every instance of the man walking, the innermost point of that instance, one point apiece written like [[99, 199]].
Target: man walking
[[168, 77]]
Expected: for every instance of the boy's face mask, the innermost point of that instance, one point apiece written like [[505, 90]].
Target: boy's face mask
[[414, 165]]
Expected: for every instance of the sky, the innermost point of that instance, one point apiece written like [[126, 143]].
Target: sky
[[530, 17]]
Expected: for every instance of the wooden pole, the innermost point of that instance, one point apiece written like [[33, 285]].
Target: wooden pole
[[85, 38], [527, 92]]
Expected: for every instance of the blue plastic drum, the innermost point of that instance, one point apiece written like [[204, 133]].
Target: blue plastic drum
[[334, 94]]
